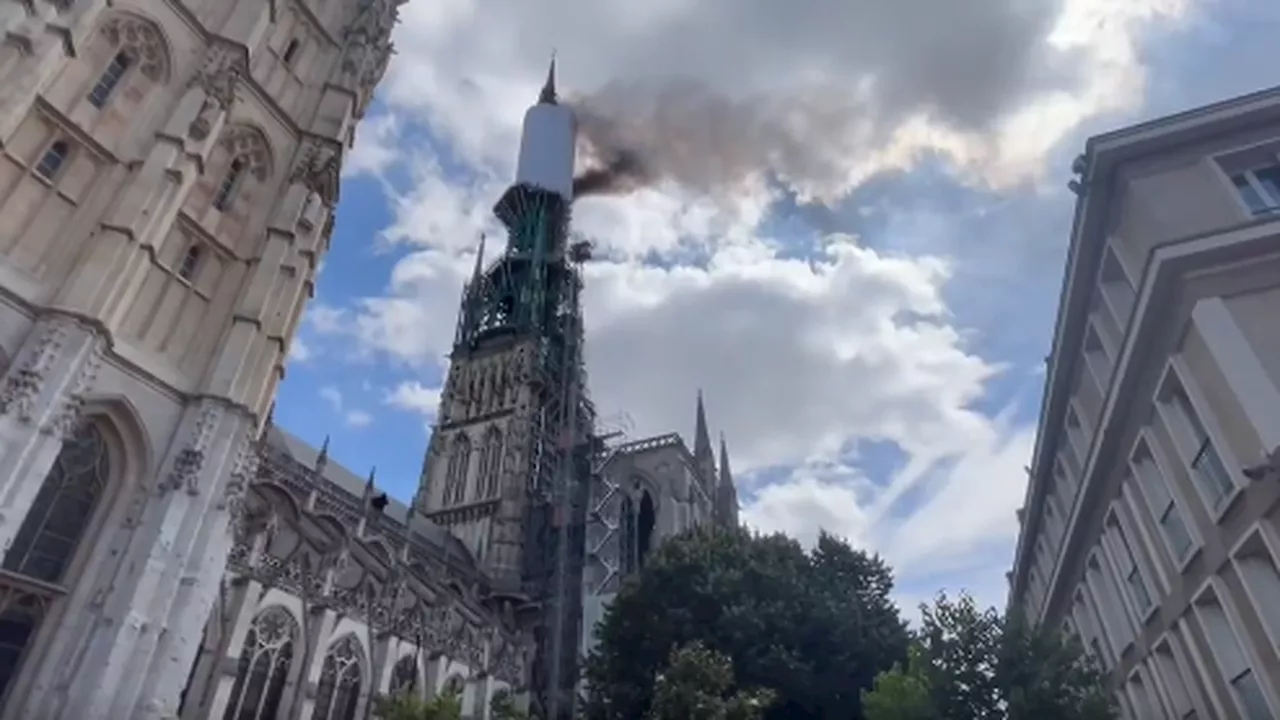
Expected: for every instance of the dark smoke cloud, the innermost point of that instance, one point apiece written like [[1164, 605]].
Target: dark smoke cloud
[[729, 94]]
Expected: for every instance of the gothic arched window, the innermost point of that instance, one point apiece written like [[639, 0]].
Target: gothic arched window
[[338, 692], [647, 518], [455, 483], [109, 79], [49, 536], [52, 160], [55, 524], [627, 541], [265, 658], [491, 463], [404, 676], [229, 185]]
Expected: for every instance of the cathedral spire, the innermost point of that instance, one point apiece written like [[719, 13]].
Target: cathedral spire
[[701, 437], [726, 477], [548, 94]]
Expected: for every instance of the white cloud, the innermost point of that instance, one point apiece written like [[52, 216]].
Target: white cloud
[[299, 351], [332, 396], [353, 417], [799, 359]]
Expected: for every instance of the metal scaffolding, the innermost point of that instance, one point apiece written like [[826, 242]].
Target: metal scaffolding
[[529, 297]]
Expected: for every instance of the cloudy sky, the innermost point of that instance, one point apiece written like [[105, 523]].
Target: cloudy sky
[[853, 247]]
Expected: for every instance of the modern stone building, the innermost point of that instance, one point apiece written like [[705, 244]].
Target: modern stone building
[[1151, 526]]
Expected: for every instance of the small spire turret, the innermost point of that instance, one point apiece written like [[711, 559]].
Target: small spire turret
[[548, 94]]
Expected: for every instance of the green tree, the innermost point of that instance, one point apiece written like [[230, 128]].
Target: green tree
[[973, 664], [901, 693], [697, 684], [408, 706], [814, 627], [1046, 674], [502, 706]]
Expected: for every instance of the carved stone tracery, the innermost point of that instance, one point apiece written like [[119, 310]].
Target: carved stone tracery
[[190, 460], [142, 42]]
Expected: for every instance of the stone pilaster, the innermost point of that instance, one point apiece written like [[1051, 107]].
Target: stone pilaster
[[41, 397], [135, 642]]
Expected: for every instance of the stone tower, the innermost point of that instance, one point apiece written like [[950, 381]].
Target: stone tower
[[506, 468], [168, 171]]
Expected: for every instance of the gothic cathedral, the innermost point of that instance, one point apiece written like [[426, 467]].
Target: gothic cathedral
[[169, 171]]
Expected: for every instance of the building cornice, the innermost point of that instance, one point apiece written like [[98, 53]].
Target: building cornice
[[1104, 156]]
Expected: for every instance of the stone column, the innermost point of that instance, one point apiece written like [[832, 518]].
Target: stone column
[[40, 401], [134, 645], [223, 677]]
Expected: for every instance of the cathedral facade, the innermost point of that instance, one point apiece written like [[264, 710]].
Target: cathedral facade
[[169, 171]]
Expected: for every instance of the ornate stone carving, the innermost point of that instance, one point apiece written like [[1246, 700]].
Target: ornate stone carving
[[23, 386], [71, 411], [250, 145], [190, 460], [318, 171], [243, 472], [142, 41], [367, 44], [218, 74]]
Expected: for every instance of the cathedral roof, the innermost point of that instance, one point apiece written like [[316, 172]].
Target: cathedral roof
[[352, 485]]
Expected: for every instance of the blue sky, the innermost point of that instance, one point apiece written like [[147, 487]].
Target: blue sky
[[873, 355]]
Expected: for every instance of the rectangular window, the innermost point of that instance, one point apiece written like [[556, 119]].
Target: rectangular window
[[1232, 662], [1117, 289], [1260, 575], [1127, 565], [1176, 687], [1259, 189], [1159, 500], [1107, 600], [1207, 469], [1097, 356]]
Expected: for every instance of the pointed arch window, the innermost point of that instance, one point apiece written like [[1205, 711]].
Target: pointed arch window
[[230, 184], [54, 157], [627, 542], [264, 667], [109, 79], [49, 536], [455, 483], [491, 464], [190, 263], [404, 676], [55, 524], [338, 692], [645, 521], [291, 52]]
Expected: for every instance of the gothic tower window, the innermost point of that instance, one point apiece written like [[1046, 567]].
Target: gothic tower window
[[49, 536], [290, 52], [264, 667], [55, 524], [627, 541], [190, 263], [455, 483], [404, 676], [491, 464], [53, 159], [644, 528], [247, 156], [230, 183], [339, 689], [109, 79]]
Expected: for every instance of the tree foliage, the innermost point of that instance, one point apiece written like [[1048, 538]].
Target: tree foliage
[[408, 706], [698, 684], [973, 664], [815, 628], [502, 706]]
